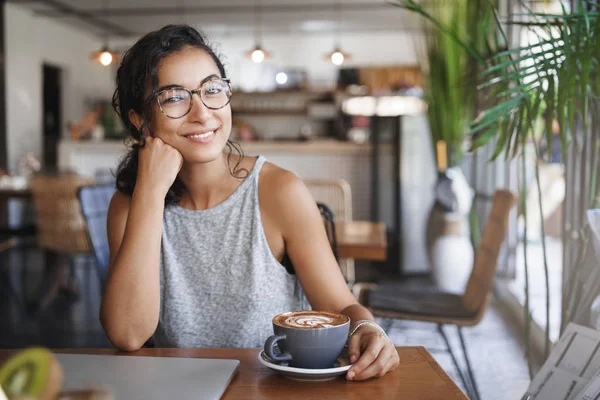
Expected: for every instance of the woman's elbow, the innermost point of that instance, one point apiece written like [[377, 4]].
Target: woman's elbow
[[122, 337], [123, 341]]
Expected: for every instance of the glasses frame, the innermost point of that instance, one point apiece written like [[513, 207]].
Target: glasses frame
[[195, 91]]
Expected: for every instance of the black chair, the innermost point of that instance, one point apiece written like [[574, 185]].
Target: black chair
[[329, 221], [95, 201]]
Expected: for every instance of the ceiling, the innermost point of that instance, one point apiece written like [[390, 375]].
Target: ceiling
[[133, 18]]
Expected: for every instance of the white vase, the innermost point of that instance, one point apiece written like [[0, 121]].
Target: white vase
[[449, 245], [451, 254]]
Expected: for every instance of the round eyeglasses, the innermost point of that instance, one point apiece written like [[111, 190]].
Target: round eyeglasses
[[177, 102]]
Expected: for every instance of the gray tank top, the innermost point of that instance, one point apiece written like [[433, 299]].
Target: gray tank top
[[220, 285]]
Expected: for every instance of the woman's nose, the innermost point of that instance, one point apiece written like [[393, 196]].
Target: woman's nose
[[199, 110]]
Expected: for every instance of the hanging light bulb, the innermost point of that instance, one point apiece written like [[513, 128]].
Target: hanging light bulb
[[337, 57], [257, 54], [104, 56]]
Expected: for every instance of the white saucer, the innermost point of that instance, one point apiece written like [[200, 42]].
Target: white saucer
[[305, 374]]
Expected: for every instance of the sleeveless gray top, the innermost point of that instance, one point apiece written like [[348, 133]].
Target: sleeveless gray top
[[220, 285]]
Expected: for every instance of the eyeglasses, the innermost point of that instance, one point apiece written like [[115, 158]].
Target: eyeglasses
[[177, 102]]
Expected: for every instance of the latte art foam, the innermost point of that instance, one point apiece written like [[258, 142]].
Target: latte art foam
[[310, 320]]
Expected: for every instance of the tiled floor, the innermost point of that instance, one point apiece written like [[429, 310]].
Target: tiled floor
[[497, 357]]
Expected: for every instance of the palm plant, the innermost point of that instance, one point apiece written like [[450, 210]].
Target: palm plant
[[554, 77], [450, 95]]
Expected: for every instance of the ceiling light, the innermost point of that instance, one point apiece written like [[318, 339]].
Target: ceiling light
[[337, 57], [104, 56], [258, 55]]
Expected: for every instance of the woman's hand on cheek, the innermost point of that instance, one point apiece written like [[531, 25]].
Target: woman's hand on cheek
[[158, 164], [372, 354]]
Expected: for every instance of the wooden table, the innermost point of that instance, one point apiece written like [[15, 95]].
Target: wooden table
[[419, 377], [361, 240]]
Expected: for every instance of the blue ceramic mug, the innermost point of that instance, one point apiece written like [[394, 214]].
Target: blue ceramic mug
[[308, 339]]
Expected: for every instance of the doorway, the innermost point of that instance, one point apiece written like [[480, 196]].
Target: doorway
[[52, 114]]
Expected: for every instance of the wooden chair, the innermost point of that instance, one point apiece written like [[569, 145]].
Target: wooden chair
[[61, 228], [433, 305], [337, 195]]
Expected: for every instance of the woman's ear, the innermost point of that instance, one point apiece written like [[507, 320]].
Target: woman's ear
[[136, 120]]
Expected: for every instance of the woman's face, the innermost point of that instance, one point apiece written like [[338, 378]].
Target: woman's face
[[201, 135]]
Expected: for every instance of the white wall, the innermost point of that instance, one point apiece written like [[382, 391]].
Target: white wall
[[307, 51], [29, 43]]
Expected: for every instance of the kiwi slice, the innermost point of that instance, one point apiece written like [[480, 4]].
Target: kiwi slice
[[34, 373]]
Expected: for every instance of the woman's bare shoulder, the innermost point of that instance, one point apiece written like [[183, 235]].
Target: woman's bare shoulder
[[278, 181], [282, 190]]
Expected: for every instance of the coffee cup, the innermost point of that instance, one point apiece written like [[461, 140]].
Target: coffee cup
[[308, 339]]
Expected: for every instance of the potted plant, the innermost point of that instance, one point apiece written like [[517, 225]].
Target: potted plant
[[451, 96]]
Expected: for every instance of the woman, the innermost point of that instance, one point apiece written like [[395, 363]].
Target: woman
[[196, 243]]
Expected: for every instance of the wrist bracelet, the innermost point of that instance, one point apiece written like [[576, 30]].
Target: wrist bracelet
[[370, 323]]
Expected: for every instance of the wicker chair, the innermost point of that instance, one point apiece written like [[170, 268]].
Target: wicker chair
[[337, 195], [61, 228], [445, 308]]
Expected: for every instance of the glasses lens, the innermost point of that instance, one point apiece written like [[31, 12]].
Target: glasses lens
[[216, 93], [174, 102]]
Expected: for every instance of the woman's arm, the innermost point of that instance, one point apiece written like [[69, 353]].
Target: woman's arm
[[130, 303], [308, 247], [131, 299]]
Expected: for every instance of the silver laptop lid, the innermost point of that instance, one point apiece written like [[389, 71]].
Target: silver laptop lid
[[148, 378]]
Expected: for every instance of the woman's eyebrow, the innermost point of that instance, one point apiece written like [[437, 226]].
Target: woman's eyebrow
[[169, 86], [208, 78], [174, 85]]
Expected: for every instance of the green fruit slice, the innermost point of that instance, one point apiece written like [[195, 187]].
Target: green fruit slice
[[33, 372]]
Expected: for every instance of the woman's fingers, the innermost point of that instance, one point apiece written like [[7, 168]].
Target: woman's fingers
[[368, 356], [379, 366]]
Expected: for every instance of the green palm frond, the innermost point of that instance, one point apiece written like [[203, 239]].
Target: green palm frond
[[457, 41], [553, 78]]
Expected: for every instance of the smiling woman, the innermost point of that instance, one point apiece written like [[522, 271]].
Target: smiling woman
[[196, 244]]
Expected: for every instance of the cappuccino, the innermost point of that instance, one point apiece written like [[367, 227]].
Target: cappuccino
[[310, 320]]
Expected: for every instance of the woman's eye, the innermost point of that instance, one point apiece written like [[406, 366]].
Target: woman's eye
[[174, 99], [213, 90]]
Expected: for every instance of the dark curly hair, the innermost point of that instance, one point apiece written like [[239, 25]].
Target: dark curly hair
[[138, 70]]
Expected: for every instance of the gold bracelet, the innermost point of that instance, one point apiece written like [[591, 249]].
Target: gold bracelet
[[370, 323]]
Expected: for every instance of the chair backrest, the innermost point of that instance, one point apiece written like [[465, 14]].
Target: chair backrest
[[329, 221], [335, 193], [480, 283], [95, 201], [60, 223]]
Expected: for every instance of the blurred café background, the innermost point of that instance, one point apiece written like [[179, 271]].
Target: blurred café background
[[332, 90]]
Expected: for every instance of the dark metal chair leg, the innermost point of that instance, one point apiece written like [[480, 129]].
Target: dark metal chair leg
[[455, 361], [468, 361]]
